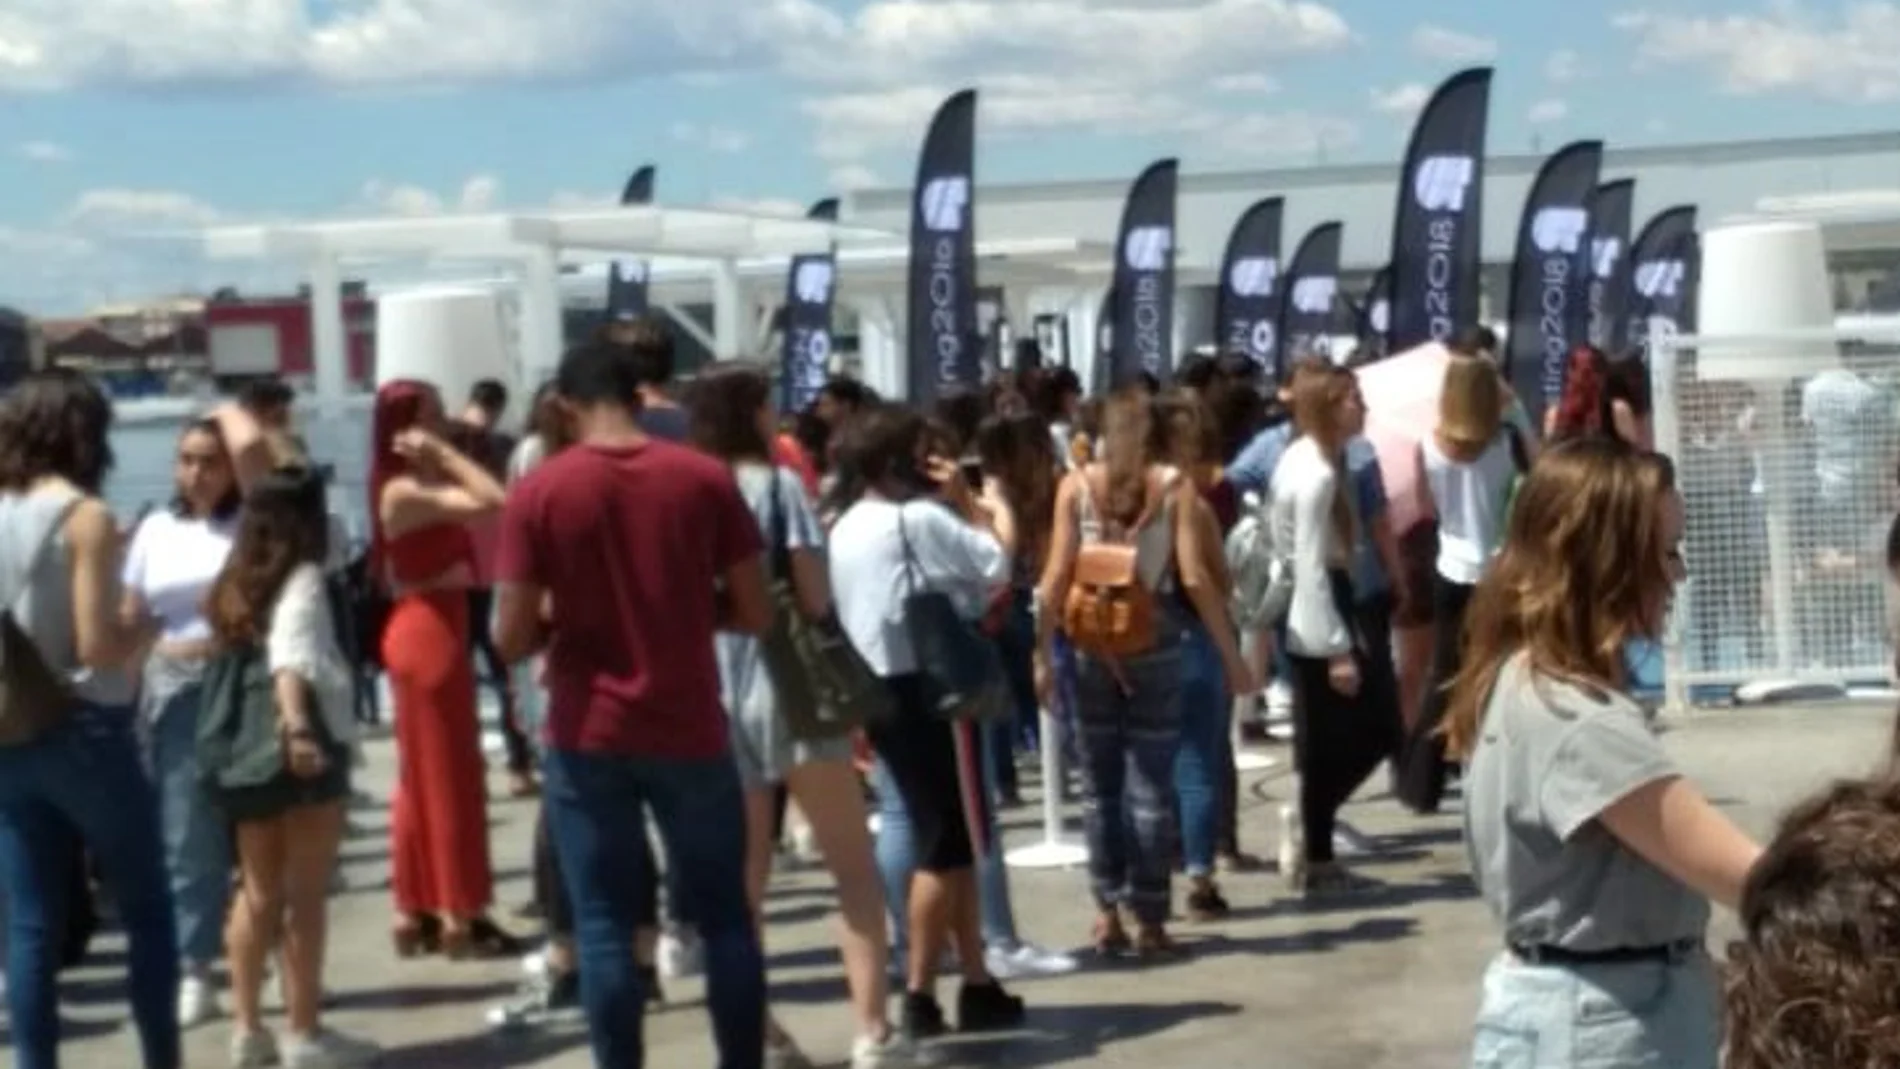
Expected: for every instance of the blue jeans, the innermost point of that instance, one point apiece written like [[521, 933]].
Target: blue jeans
[[897, 863], [1635, 1013], [1206, 749], [594, 805], [197, 839], [87, 775], [1128, 717]]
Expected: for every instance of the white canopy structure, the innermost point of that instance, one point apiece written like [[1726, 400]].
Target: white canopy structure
[[1850, 221], [533, 243]]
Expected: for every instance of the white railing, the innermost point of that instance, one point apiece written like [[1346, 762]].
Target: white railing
[[1786, 448]]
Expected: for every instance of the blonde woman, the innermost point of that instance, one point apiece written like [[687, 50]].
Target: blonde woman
[[1598, 859], [1468, 464]]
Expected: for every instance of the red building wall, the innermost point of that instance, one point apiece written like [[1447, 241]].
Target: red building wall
[[289, 320]]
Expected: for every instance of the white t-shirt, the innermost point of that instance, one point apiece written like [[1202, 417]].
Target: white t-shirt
[[870, 578], [171, 564], [302, 639], [1469, 498]]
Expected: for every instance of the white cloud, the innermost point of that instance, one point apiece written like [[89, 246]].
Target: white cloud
[[479, 193], [714, 138], [1107, 66], [852, 176], [45, 152], [1404, 101], [1251, 83], [54, 44], [1564, 66], [1294, 136], [134, 209], [1545, 112], [1854, 56], [1452, 46]]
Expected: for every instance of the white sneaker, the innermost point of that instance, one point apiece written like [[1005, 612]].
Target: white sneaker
[[894, 1051], [1292, 848], [535, 965], [679, 955], [253, 1050], [324, 1049], [1027, 959], [197, 999], [1349, 841]]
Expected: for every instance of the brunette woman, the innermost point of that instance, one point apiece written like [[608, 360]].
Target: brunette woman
[[1468, 465], [1128, 712], [1206, 760], [1598, 859], [730, 409], [59, 578], [271, 617], [423, 494], [1339, 735], [173, 557], [896, 539]]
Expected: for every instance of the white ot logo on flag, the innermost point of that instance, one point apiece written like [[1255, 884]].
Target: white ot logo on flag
[[1314, 296], [1606, 251], [943, 202], [1442, 182], [812, 283], [1146, 247], [1253, 276], [630, 270], [1559, 230], [1659, 278]]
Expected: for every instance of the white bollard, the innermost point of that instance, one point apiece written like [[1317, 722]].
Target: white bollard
[[1055, 851]]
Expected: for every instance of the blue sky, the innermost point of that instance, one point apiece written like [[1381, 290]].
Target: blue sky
[[126, 117]]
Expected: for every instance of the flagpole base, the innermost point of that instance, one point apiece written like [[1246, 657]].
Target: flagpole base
[[1050, 854]]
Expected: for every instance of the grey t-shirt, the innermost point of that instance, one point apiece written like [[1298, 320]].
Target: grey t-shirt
[[1550, 759]]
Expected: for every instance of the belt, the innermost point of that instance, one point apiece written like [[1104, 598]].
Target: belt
[[1662, 953]]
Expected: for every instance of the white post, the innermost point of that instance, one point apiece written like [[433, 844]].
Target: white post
[[329, 338], [728, 317], [540, 317], [1055, 851], [1777, 478]]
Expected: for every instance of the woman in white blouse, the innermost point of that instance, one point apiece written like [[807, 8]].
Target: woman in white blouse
[[270, 601], [1312, 511], [1468, 465]]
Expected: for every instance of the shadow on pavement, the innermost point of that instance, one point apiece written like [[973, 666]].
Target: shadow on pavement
[[1060, 1035]]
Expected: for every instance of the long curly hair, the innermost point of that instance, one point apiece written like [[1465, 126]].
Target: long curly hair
[[400, 405], [1583, 569], [1814, 982], [1584, 406]]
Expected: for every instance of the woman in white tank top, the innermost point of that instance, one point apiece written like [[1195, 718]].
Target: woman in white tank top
[[1468, 464]]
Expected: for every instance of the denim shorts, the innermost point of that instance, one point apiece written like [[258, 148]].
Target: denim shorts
[[1633, 1015]]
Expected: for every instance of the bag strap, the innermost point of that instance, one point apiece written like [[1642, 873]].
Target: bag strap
[[778, 532], [912, 570]]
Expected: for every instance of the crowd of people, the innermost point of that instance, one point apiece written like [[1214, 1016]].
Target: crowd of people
[[699, 613]]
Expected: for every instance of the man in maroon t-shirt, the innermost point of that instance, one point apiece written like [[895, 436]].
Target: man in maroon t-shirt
[[620, 557]]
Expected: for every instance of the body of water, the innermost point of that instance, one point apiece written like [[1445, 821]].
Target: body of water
[[145, 444]]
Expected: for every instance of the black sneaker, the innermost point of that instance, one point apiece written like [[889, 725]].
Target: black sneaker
[[1206, 903], [923, 1017], [543, 1001], [988, 1008]]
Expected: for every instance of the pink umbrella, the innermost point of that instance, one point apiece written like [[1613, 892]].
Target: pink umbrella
[[1401, 409]]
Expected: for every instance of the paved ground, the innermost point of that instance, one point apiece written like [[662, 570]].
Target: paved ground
[[1388, 981]]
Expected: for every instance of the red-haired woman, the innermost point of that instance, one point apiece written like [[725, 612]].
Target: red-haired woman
[[423, 494], [1602, 396]]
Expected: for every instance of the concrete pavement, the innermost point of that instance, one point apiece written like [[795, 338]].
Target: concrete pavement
[[1385, 980]]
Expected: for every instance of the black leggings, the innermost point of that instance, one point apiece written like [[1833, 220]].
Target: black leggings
[[481, 611], [1423, 768], [1338, 740]]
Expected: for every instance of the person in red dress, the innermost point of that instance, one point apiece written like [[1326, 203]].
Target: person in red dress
[[423, 496]]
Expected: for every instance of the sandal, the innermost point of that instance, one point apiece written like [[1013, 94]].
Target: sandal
[[1109, 938], [481, 940], [412, 937], [1153, 945]]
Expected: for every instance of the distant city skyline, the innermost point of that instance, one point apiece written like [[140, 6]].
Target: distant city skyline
[[147, 117]]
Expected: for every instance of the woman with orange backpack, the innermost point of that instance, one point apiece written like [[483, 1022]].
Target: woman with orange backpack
[[1129, 566]]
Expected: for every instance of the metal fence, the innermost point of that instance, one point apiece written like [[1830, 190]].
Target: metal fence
[[1786, 449]]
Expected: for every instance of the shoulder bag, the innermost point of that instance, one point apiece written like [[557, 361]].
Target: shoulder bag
[[35, 699], [823, 687], [962, 670]]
